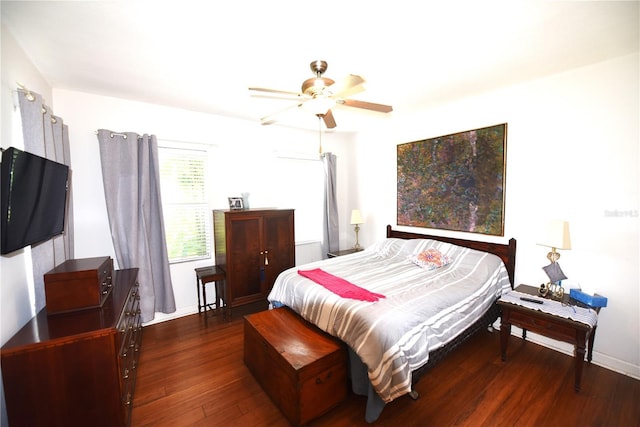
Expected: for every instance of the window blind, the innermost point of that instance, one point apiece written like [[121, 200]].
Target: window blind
[[183, 174]]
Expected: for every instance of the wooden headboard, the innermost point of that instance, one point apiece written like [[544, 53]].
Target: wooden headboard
[[507, 252]]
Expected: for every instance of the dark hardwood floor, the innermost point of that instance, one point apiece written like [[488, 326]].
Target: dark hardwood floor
[[192, 374]]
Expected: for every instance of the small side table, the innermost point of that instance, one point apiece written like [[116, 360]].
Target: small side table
[[206, 275], [581, 335], [343, 252]]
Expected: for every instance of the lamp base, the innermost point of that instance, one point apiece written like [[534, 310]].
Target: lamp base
[[553, 256], [357, 245]]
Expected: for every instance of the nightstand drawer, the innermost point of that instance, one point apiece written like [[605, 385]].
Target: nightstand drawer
[[544, 326]]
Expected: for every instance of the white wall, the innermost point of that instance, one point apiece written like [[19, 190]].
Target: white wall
[[572, 153], [15, 268], [244, 154], [16, 281]]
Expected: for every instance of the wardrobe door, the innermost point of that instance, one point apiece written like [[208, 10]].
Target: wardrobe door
[[244, 261], [279, 245]]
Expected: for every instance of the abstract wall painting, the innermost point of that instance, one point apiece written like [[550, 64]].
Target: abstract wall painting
[[454, 182]]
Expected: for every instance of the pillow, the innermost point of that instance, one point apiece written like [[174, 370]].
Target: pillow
[[430, 259]]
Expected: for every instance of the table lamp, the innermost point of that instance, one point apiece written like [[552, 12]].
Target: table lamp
[[356, 219], [556, 236]]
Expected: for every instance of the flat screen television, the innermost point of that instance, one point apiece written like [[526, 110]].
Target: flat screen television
[[33, 199]]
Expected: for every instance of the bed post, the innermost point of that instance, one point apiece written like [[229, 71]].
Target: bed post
[[511, 265]]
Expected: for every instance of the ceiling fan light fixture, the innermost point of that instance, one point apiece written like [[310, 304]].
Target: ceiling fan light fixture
[[316, 86]]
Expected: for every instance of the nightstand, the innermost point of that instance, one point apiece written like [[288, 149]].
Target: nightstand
[[554, 326], [343, 252]]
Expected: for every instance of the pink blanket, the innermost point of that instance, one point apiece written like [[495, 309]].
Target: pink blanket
[[340, 286]]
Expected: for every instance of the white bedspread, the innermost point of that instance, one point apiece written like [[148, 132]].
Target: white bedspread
[[422, 310]]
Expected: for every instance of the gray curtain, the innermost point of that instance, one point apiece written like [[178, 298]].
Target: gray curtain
[[134, 206], [330, 241], [47, 136]]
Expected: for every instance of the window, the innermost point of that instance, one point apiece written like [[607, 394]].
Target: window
[[183, 180]]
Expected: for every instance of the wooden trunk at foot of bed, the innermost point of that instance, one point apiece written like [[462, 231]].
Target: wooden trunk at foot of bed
[[302, 369]]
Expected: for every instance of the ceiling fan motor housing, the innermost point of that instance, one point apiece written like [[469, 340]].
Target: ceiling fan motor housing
[[316, 86]]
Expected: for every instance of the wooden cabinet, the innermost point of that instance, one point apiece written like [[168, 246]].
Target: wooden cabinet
[[76, 368], [253, 246]]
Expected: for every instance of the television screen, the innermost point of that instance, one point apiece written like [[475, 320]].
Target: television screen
[[33, 199]]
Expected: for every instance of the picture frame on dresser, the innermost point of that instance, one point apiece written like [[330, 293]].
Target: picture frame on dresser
[[236, 203]]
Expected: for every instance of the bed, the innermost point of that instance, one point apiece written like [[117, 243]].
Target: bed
[[407, 314]]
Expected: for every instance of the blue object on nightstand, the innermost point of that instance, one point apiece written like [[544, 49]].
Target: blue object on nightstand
[[590, 300]]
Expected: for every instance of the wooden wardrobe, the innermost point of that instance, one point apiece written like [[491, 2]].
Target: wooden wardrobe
[[253, 246]]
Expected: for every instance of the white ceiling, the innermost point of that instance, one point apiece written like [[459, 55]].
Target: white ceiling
[[203, 55]]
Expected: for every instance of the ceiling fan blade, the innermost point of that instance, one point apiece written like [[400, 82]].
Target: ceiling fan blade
[[284, 92], [329, 121], [348, 86], [366, 105], [268, 119], [283, 97]]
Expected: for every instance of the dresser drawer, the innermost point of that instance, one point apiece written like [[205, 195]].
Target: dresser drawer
[[129, 342], [552, 328]]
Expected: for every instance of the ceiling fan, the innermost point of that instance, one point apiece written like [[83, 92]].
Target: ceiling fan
[[320, 94]]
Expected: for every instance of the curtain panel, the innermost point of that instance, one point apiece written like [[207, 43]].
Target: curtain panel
[[47, 136], [331, 231], [132, 192]]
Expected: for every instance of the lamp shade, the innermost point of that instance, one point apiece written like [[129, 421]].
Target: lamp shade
[[356, 217], [556, 235]]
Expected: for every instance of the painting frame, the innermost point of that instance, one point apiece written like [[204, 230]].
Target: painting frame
[[454, 182]]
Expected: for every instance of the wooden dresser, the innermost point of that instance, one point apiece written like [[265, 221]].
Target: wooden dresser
[[76, 368], [253, 246]]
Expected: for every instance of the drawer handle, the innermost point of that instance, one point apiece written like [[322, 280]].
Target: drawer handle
[[319, 380], [544, 324], [128, 400], [126, 374]]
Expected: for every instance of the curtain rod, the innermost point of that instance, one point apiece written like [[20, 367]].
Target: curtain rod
[[112, 134], [28, 93], [31, 98]]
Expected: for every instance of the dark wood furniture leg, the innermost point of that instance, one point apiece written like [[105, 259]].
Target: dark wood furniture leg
[[505, 332], [198, 292], [580, 352], [591, 340]]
